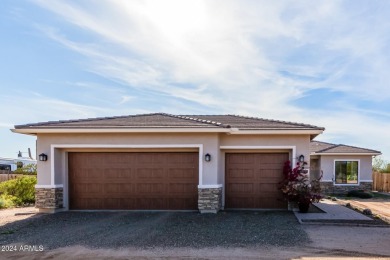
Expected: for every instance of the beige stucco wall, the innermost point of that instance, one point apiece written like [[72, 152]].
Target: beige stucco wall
[[209, 142], [365, 166], [213, 173]]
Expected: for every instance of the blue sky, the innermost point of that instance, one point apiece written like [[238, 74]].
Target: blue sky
[[325, 63]]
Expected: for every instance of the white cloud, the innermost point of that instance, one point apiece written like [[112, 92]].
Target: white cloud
[[242, 57]]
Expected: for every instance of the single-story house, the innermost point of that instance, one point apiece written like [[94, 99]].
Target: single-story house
[[11, 164], [344, 167], [168, 162]]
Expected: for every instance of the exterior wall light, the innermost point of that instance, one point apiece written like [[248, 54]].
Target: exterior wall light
[[207, 157], [43, 157], [301, 158]]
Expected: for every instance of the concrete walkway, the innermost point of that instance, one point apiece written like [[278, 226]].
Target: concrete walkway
[[332, 212], [380, 207]]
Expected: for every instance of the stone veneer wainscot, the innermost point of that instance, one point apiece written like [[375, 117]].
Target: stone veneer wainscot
[[330, 188], [49, 198], [209, 200]]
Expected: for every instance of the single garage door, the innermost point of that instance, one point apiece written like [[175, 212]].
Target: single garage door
[[157, 181], [252, 180]]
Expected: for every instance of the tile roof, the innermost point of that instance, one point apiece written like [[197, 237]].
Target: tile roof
[[254, 123], [163, 120], [317, 147]]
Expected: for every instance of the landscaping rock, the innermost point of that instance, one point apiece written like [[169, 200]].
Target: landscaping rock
[[367, 212]]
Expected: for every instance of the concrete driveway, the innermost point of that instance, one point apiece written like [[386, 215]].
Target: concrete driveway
[[227, 235]]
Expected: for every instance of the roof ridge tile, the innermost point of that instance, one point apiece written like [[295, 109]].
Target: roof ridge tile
[[315, 141], [277, 121], [331, 147], [358, 147], [199, 120], [342, 145]]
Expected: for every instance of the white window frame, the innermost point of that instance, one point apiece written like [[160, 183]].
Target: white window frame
[[334, 172]]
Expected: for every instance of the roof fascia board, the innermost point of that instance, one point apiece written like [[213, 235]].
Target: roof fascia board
[[34, 131], [277, 132], [346, 153]]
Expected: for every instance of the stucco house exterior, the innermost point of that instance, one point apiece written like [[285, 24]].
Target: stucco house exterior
[[167, 162], [344, 167]]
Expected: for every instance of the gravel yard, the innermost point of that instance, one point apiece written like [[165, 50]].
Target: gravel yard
[[16, 214], [156, 229], [174, 235]]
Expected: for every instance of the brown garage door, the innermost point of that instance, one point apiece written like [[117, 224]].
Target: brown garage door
[[133, 180], [252, 180]]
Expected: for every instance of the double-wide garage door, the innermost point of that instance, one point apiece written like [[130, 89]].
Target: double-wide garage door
[[252, 180], [155, 180]]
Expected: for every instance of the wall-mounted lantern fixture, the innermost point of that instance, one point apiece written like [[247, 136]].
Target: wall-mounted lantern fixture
[[301, 158], [207, 157], [43, 157]]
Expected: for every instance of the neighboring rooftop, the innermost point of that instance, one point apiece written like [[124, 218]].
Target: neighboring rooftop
[[163, 120], [317, 147]]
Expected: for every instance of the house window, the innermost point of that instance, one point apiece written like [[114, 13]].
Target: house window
[[346, 172]]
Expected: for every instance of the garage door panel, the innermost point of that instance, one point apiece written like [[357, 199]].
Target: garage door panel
[[85, 188], [150, 188], [181, 203], [128, 203], [277, 204], [180, 159], [259, 189], [146, 159], [92, 173], [119, 188], [240, 173], [243, 203], [112, 203], [133, 180], [240, 188], [182, 188], [97, 203], [270, 173], [118, 173], [241, 159], [152, 203], [269, 188], [182, 173], [269, 166], [94, 203], [150, 173]]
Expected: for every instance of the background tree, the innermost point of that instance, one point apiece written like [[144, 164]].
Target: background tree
[[28, 169], [380, 165]]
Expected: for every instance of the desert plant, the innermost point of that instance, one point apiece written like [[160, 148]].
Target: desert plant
[[296, 186], [360, 194], [22, 189]]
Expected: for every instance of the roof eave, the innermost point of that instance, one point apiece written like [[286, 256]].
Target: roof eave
[[372, 153], [276, 131], [234, 131], [35, 131]]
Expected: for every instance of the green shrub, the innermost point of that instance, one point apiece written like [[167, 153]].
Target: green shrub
[[21, 189], [7, 201], [360, 194], [29, 169]]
